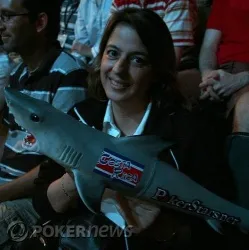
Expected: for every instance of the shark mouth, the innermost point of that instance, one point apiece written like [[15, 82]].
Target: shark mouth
[[29, 142]]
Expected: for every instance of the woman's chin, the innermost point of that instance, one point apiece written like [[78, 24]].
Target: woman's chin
[[117, 95], [117, 98]]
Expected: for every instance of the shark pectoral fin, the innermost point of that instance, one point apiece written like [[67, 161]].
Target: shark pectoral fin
[[145, 143], [90, 191], [215, 225]]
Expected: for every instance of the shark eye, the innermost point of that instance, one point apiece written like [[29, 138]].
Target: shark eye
[[34, 117]]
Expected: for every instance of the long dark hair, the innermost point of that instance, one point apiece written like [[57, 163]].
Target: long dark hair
[[156, 37]]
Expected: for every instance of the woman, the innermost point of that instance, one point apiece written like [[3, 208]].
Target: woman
[[133, 85]]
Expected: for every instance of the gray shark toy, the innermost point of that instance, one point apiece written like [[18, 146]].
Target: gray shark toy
[[128, 165]]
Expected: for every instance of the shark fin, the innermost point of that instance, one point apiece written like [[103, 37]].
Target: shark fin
[[147, 143], [89, 191], [215, 225]]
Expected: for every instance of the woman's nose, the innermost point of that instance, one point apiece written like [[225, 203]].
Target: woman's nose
[[120, 65]]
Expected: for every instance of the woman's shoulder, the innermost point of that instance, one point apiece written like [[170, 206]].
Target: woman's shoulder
[[205, 121], [91, 110]]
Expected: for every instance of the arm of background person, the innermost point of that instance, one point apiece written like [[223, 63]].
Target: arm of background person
[[107, 10], [81, 43], [21, 187], [208, 58], [212, 38], [180, 17], [225, 84]]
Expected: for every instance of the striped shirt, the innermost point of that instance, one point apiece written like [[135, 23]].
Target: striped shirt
[[58, 81], [179, 15], [67, 22]]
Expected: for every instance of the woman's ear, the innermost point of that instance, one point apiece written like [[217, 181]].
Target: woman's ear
[[41, 22]]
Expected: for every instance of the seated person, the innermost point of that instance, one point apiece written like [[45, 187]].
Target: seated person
[[90, 23], [30, 28], [224, 57], [67, 23], [133, 95]]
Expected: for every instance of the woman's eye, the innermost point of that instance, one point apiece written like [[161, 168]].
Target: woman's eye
[[139, 60], [112, 53]]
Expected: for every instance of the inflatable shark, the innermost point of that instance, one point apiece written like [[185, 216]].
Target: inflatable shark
[[128, 165]]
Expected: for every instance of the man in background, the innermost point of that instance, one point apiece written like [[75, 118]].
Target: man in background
[[30, 28]]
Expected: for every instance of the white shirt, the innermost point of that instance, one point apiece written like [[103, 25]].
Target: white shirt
[[110, 128], [91, 21]]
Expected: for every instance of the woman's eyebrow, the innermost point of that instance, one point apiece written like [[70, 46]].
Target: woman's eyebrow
[[113, 46], [142, 53]]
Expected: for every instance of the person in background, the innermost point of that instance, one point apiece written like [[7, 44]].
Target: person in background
[[91, 21], [224, 57], [67, 23], [30, 28]]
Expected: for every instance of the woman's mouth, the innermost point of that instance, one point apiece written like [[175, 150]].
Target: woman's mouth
[[119, 85]]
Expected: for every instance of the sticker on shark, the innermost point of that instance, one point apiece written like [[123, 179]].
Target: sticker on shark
[[119, 168]]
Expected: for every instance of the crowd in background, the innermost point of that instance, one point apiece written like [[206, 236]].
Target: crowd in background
[[178, 69]]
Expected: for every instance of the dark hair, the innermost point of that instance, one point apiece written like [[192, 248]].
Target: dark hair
[[52, 8], [156, 37]]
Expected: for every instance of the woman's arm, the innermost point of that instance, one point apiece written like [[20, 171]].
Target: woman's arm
[[62, 194]]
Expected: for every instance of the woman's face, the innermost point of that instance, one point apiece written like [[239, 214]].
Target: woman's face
[[126, 73]]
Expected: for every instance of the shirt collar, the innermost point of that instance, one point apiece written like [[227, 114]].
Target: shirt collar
[[109, 126]]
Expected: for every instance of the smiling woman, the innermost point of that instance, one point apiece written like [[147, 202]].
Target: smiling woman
[[135, 52], [126, 72], [133, 85], [136, 65]]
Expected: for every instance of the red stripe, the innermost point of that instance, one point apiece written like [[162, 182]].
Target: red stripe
[[120, 3], [110, 169]]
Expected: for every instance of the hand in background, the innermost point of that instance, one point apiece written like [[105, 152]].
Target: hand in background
[[207, 91], [222, 83], [82, 49]]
